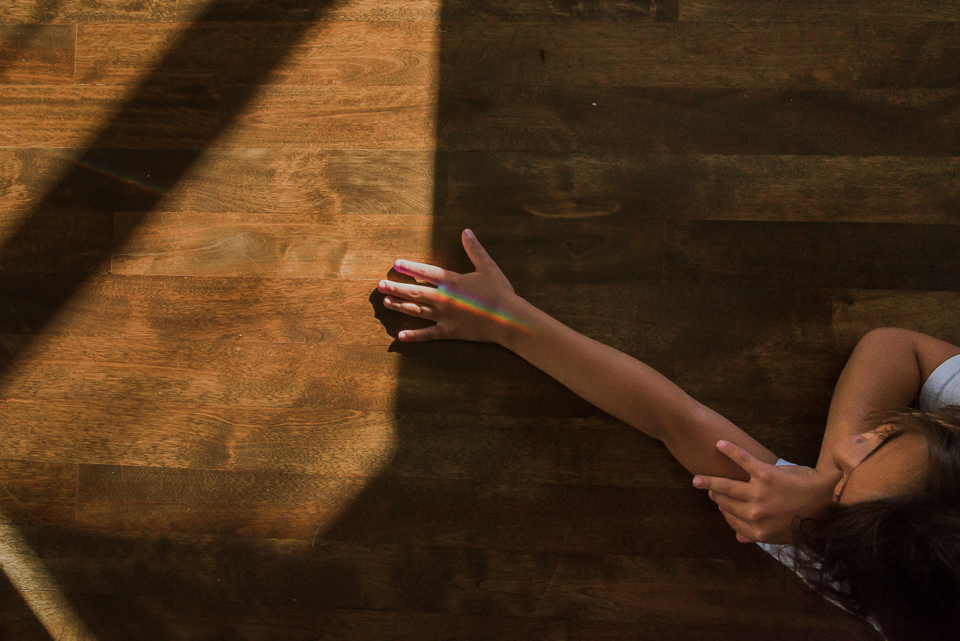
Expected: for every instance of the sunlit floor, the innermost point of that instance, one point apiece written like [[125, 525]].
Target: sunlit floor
[[209, 430]]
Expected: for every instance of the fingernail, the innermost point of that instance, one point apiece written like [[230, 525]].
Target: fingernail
[[721, 444], [386, 301], [382, 284], [403, 336], [398, 263], [469, 234], [697, 481]]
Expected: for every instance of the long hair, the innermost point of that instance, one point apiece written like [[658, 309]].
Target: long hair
[[897, 559]]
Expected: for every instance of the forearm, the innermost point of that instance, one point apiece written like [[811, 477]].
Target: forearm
[[629, 390], [613, 381]]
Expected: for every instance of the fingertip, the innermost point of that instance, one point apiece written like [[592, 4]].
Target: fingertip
[[469, 234], [721, 445], [404, 336]]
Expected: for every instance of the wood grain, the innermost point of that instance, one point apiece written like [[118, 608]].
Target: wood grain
[[188, 323], [748, 56], [109, 54], [405, 53], [275, 375], [172, 619], [536, 518], [180, 309], [829, 630], [856, 312], [700, 121], [820, 255], [275, 181], [37, 55], [74, 116], [496, 11], [26, 238], [34, 493], [333, 117], [202, 11], [881, 189], [859, 11], [272, 245], [455, 581]]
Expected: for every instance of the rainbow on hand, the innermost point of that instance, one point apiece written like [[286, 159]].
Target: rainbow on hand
[[466, 302]]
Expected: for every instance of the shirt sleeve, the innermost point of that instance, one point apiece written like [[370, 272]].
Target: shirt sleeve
[[943, 386]]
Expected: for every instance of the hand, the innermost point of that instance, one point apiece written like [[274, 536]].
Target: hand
[[469, 307], [764, 508]]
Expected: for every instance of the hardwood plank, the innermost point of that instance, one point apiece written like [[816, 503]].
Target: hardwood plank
[[534, 251], [37, 493], [182, 116], [913, 190], [494, 11], [699, 121], [814, 255], [275, 181], [858, 11], [413, 578], [531, 251], [17, 620], [846, 629], [37, 55], [340, 443], [110, 54], [26, 239], [333, 117], [856, 312], [387, 53], [171, 619], [83, 11], [699, 56], [345, 246], [181, 309], [292, 10], [536, 518], [275, 375], [367, 10], [356, 53]]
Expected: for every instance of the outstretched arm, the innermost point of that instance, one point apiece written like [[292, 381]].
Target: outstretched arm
[[482, 306]]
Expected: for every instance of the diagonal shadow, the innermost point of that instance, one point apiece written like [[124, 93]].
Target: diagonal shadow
[[516, 232], [112, 174], [160, 112]]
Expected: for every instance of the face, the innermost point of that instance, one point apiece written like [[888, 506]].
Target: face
[[874, 468]]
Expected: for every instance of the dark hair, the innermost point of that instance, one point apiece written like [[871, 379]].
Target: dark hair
[[897, 559]]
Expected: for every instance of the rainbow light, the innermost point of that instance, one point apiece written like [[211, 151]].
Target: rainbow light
[[465, 302], [100, 169]]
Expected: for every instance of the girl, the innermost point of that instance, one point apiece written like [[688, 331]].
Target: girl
[[875, 526]]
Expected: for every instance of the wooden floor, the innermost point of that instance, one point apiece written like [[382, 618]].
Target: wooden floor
[[208, 430]]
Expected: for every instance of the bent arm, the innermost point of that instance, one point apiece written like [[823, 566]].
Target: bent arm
[[629, 390], [885, 372]]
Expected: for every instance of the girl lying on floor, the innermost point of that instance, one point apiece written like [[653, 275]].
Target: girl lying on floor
[[875, 527]]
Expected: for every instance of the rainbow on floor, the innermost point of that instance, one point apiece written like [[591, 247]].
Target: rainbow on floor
[[465, 302], [100, 169]]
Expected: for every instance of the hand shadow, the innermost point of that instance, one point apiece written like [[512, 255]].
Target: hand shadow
[[394, 322]]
